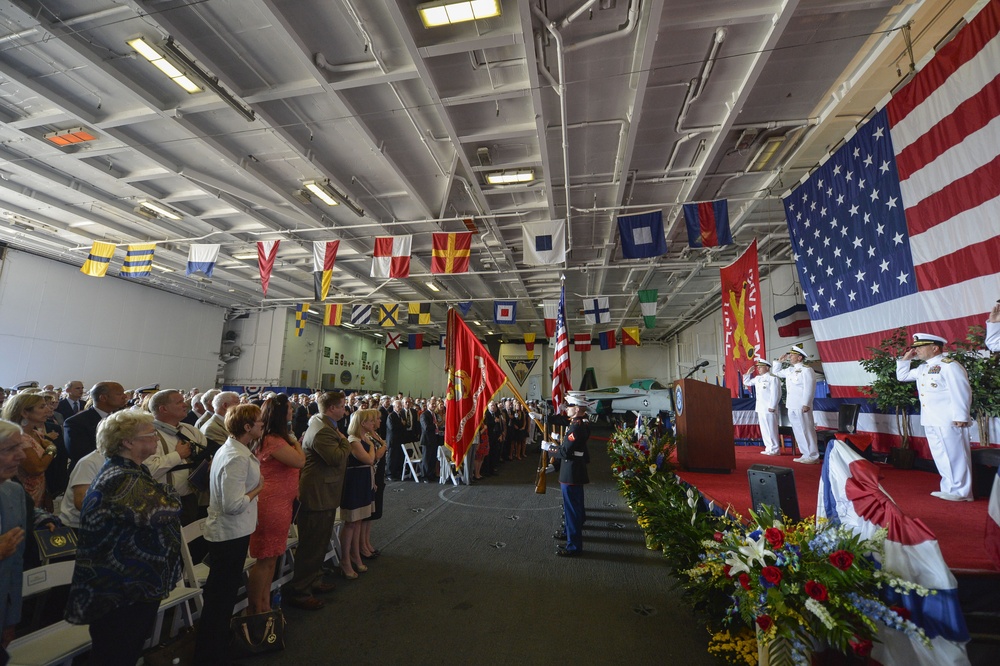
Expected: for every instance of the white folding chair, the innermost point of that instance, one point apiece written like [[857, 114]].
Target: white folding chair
[[447, 468], [56, 643], [412, 455]]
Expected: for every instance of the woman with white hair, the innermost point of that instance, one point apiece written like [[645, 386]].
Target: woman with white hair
[[13, 516], [129, 553]]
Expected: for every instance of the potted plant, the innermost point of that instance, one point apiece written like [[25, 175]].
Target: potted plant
[[890, 394], [984, 377]]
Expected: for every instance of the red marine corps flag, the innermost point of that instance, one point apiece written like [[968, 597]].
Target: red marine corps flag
[[741, 316], [473, 379]]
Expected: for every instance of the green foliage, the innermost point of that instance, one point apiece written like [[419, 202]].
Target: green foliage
[[888, 393]]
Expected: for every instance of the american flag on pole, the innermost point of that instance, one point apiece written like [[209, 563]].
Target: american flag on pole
[[901, 226], [560, 362]]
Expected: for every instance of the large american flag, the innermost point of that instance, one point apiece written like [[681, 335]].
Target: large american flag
[[901, 226], [560, 362]]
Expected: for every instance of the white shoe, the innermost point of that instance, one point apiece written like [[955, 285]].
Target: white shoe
[[950, 497], [770, 453], [808, 461]]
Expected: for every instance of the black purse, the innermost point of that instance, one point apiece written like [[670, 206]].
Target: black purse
[[257, 634]]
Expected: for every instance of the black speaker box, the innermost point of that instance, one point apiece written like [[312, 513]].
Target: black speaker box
[[774, 486]]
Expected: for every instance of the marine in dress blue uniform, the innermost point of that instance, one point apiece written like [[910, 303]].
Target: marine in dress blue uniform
[[945, 401], [574, 456]]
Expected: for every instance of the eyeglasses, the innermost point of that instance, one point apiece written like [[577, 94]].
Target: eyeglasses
[[144, 435]]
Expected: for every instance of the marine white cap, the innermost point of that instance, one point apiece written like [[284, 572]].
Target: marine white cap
[[921, 339]]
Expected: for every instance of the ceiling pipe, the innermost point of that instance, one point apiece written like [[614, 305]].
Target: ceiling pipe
[[561, 92], [345, 68], [573, 15], [624, 30]]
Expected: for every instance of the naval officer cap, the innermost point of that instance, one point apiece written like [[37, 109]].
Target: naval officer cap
[[152, 388], [23, 386], [762, 361], [800, 351], [921, 339]]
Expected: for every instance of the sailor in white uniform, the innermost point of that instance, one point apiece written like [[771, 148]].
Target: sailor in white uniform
[[800, 387], [945, 400], [768, 390], [993, 329]]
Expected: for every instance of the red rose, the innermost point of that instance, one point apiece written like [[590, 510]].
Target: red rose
[[861, 647], [842, 559], [775, 537], [771, 574], [726, 569], [764, 622], [816, 590], [745, 581], [901, 611], [717, 536]]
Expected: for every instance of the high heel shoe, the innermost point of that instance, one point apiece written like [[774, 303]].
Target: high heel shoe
[[348, 576], [360, 568]]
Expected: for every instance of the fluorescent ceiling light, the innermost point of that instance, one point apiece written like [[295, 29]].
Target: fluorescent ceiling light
[[446, 12], [211, 82], [142, 47], [320, 191], [82, 223], [432, 286], [766, 153], [245, 255], [163, 269], [159, 209], [509, 177], [348, 324], [477, 323]]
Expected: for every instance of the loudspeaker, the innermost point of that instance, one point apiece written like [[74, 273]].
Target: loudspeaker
[[774, 486]]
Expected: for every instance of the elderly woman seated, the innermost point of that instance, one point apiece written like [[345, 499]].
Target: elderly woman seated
[[129, 553]]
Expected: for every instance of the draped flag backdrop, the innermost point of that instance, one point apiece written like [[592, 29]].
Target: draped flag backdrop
[[901, 226], [849, 493], [473, 379], [742, 319]]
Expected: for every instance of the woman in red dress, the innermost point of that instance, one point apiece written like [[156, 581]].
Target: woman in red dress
[[281, 458]]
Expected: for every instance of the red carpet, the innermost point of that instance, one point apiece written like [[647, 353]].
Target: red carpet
[[959, 526]]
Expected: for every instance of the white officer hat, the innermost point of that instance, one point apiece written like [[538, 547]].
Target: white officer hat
[[762, 361], [921, 339], [26, 385], [152, 388], [800, 351]]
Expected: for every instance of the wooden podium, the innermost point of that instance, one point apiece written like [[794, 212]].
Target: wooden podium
[[704, 427]]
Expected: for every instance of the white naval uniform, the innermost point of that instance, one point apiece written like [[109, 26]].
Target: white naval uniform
[[768, 390], [800, 383], [993, 336], [945, 397]]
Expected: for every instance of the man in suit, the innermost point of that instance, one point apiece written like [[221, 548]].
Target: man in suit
[[195, 411], [494, 429], [175, 443], [320, 487], [81, 430], [206, 402], [72, 404], [412, 419], [214, 428], [385, 406], [428, 441], [396, 434], [573, 453]]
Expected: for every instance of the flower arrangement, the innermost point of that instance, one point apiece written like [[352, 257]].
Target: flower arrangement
[[802, 583]]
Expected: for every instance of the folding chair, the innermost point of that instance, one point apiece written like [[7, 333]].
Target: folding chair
[[412, 455], [56, 643], [447, 467]]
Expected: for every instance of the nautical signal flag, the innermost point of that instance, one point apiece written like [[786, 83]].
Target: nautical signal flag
[[333, 315], [418, 313], [392, 257], [543, 243], [642, 235], [361, 315], [464, 307], [647, 303], [450, 252], [581, 342], [97, 261], [630, 336], [550, 311], [504, 312], [267, 251], [202, 257], [608, 339], [708, 223], [443, 341], [392, 340], [324, 256], [415, 341], [138, 261], [529, 344], [388, 315], [793, 321], [596, 310], [301, 315]]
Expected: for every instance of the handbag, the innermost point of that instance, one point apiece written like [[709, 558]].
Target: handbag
[[200, 476], [257, 634]]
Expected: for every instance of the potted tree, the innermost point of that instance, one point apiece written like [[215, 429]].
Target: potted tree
[[890, 394], [984, 377]]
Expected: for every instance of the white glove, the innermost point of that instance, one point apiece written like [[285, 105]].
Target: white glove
[[549, 446]]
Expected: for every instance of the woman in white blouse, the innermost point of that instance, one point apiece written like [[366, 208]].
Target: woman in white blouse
[[232, 517]]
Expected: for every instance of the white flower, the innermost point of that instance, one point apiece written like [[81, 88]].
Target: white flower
[[692, 501], [756, 551], [736, 565], [652, 469]]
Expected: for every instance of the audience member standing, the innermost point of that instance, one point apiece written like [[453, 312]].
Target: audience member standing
[[397, 434], [320, 489], [428, 443], [72, 403], [359, 491], [800, 384], [31, 410], [13, 523], [80, 431], [945, 401], [232, 516]]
